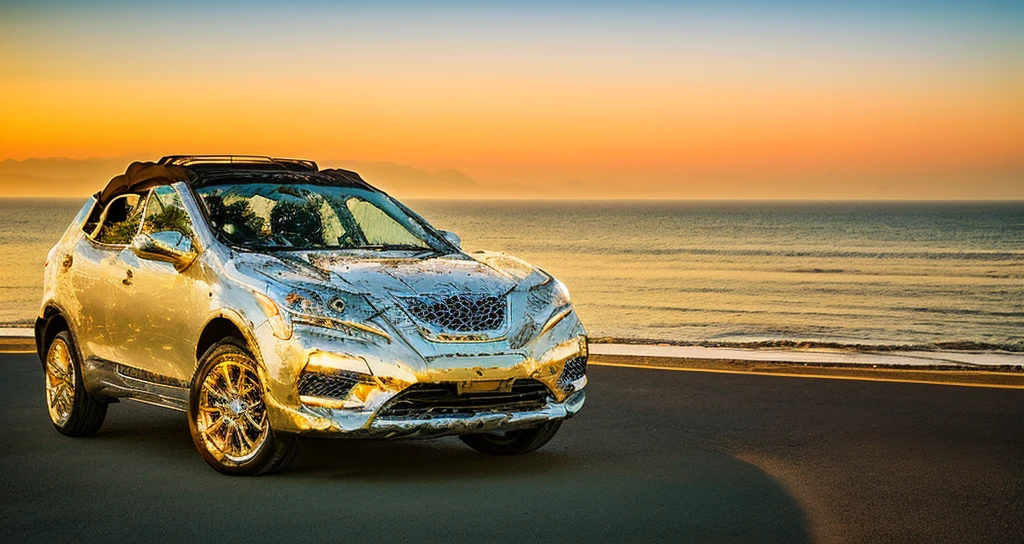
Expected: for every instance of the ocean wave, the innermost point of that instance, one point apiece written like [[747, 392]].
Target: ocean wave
[[823, 253], [960, 311], [828, 312]]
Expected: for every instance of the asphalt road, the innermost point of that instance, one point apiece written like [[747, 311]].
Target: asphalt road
[[654, 456]]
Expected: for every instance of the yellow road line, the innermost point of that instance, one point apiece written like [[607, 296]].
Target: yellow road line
[[818, 376]]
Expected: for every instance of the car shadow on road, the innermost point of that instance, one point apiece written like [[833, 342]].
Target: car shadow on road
[[614, 492], [416, 459], [601, 479], [148, 431]]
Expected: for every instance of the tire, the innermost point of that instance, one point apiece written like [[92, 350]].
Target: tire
[[513, 442], [73, 410], [227, 414]]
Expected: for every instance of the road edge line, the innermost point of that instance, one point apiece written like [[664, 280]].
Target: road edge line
[[815, 376]]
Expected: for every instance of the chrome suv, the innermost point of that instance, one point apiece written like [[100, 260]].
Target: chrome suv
[[267, 298]]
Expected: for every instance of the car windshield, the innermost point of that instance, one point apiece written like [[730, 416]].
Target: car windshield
[[299, 216]]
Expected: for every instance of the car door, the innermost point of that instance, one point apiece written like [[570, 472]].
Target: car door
[[96, 275], [164, 309]]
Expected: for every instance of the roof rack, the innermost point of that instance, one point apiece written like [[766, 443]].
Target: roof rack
[[287, 164]]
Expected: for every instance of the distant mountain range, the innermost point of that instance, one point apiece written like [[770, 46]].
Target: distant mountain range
[[408, 182], [54, 177], [58, 176], [80, 177]]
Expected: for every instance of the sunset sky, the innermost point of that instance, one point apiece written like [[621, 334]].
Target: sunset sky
[[707, 100]]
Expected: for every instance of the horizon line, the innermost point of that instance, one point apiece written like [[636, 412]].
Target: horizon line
[[632, 199]]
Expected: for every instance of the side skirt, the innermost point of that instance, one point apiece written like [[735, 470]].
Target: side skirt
[[112, 379]]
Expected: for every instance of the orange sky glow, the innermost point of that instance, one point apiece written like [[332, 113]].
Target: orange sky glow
[[698, 104]]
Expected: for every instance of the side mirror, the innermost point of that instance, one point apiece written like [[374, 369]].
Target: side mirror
[[169, 246], [452, 238]]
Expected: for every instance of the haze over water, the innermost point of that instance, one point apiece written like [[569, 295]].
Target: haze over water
[[878, 273]]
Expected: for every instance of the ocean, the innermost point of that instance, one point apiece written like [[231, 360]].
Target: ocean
[[881, 274]]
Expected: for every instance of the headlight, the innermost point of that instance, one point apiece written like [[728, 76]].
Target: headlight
[[551, 291], [331, 304], [284, 305], [552, 294], [561, 294]]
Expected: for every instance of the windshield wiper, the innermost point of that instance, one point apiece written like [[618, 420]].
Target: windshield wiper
[[395, 247]]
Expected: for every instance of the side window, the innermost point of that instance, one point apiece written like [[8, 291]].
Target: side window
[[166, 218], [95, 214], [120, 221]]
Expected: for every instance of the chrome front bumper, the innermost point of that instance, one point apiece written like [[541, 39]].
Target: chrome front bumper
[[358, 424]]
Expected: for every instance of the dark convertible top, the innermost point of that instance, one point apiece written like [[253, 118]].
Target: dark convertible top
[[202, 170], [141, 176]]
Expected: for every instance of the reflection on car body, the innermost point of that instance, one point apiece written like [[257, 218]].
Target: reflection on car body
[[268, 298]]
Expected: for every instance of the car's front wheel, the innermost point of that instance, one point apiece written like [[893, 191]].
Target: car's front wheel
[[73, 410], [513, 442], [228, 414]]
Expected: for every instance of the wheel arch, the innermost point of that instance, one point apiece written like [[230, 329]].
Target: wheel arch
[[221, 325], [48, 326]]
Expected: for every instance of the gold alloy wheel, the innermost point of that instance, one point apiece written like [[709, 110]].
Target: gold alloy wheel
[[232, 417], [60, 382]]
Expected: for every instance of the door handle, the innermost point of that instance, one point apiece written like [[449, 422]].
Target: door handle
[[127, 277]]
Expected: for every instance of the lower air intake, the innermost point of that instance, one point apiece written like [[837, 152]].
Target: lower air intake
[[428, 400], [330, 386], [574, 369]]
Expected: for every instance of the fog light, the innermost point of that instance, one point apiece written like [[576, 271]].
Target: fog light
[[326, 362]]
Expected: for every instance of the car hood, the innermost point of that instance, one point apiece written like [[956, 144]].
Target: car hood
[[492, 274], [409, 277], [387, 284]]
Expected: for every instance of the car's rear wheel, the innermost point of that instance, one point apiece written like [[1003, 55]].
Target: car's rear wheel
[[73, 410], [513, 442], [228, 414]]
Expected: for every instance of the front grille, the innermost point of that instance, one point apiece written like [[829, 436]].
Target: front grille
[[461, 313], [574, 369], [428, 400], [331, 386]]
